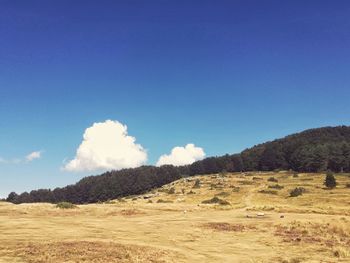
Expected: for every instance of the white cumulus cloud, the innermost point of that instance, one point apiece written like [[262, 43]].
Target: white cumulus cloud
[[182, 155], [32, 156], [107, 146]]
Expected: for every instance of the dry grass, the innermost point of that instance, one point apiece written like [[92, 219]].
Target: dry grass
[[227, 227], [84, 251], [313, 227]]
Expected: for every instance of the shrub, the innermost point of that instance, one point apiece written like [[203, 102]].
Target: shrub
[[347, 185], [271, 192], [245, 182], [272, 179], [216, 200], [330, 181], [66, 205], [276, 186], [235, 189], [297, 191], [171, 191], [295, 175], [223, 194], [197, 184], [223, 173], [109, 202], [216, 186], [191, 192], [164, 201]]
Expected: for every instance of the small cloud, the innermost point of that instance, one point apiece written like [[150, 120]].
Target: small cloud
[[182, 155], [29, 158], [33, 156], [107, 146]]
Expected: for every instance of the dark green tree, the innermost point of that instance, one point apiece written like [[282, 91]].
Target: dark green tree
[[330, 181]]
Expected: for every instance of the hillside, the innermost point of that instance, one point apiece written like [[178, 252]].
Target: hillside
[[231, 217], [313, 150]]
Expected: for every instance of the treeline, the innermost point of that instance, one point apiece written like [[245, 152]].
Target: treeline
[[313, 150]]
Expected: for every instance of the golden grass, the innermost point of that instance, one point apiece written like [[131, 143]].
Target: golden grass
[[256, 226], [84, 251]]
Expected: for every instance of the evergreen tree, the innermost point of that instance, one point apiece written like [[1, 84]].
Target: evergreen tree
[[330, 181]]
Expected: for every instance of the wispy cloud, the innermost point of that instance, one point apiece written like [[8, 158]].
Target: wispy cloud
[[28, 158], [32, 156]]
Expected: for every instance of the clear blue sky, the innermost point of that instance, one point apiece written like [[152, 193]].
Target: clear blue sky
[[224, 75]]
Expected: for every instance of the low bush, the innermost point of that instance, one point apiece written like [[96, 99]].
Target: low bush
[[235, 189], [347, 185], [246, 182], [197, 184], [276, 186], [164, 201], [223, 194], [171, 191], [216, 200], [272, 179], [109, 202], [65, 205], [271, 192], [297, 191], [257, 178]]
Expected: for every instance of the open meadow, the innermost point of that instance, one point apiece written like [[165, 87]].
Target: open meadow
[[240, 217]]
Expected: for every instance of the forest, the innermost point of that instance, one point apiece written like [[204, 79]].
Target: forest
[[314, 150]]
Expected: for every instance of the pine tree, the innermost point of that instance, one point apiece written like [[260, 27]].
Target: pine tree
[[330, 181]]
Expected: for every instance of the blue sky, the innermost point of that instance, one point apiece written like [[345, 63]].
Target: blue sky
[[224, 75]]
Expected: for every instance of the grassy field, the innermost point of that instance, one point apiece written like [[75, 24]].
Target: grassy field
[[217, 218]]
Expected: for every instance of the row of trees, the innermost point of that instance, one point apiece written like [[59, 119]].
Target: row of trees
[[310, 151]]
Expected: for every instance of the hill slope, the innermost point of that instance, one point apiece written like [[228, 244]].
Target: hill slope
[[252, 219], [309, 151]]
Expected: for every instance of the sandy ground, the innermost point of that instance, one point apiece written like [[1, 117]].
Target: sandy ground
[[162, 226]]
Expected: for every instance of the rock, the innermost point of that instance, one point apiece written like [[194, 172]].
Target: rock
[[260, 214]]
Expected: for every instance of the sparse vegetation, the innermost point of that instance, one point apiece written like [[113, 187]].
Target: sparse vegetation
[[276, 186], [271, 192], [216, 200], [164, 201], [291, 227], [223, 194], [246, 182], [171, 191], [297, 191], [272, 179], [65, 205], [235, 189], [197, 184]]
